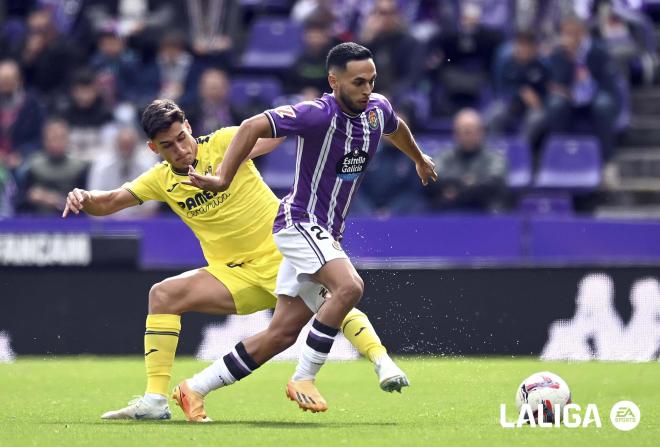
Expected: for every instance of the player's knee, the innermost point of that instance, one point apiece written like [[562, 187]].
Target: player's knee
[[350, 292], [160, 299]]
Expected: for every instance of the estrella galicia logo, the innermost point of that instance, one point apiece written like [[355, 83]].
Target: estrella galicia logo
[[352, 165], [372, 117]]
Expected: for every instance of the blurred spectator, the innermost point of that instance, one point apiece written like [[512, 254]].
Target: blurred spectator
[[124, 162], [471, 177], [116, 67], [309, 70], [325, 11], [391, 188], [521, 85], [21, 117], [583, 82], [459, 61], [214, 26], [86, 114], [45, 56], [629, 37], [7, 192], [396, 53], [173, 74], [211, 110], [51, 173]]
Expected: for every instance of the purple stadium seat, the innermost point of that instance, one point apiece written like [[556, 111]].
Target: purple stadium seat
[[570, 162], [13, 30], [274, 43], [496, 13], [546, 203], [280, 165], [519, 159], [255, 89]]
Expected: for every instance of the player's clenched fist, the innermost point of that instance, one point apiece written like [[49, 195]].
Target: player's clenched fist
[[75, 201], [426, 170]]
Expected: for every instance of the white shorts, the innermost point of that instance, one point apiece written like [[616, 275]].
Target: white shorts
[[306, 247]]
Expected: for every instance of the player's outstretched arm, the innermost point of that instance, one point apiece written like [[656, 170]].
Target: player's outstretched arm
[[238, 151], [403, 140], [98, 203], [265, 146]]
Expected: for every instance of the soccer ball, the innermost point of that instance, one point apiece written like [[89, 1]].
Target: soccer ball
[[546, 389]]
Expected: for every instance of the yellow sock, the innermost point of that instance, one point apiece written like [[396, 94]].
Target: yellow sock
[[160, 340], [358, 330]]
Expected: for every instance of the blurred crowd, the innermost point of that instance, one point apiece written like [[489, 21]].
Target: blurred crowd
[[75, 75]]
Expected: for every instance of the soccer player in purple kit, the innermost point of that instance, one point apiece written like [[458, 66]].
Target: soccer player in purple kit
[[337, 135]]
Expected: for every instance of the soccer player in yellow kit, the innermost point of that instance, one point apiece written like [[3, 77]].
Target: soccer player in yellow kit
[[235, 232]]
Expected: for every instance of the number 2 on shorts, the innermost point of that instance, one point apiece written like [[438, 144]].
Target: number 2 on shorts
[[319, 232]]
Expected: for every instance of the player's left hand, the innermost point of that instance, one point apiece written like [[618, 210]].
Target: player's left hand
[[204, 181], [426, 170]]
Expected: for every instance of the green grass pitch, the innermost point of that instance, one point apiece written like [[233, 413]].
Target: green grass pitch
[[452, 402]]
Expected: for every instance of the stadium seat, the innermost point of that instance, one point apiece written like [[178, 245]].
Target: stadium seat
[[570, 162], [546, 203], [279, 166], [251, 89], [519, 159], [273, 43], [13, 31], [496, 14]]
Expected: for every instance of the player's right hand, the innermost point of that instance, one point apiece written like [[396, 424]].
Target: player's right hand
[[75, 201], [426, 170]]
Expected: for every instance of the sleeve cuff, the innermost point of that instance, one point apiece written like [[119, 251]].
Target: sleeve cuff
[[272, 124], [140, 201]]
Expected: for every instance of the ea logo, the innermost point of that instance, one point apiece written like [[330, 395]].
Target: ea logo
[[625, 415]]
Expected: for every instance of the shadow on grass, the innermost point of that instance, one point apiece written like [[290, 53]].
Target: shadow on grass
[[254, 424]]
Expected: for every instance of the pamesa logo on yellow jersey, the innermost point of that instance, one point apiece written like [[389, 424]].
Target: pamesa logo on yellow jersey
[[202, 202]]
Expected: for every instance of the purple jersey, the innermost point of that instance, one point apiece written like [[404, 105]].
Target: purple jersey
[[332, 155]]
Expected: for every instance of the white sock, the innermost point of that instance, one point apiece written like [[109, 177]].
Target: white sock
[[382, 358], [315, 351], [157, 400], [214, 376], [225, 371]]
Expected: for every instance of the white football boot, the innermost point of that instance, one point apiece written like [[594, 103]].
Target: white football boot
[[390, 376], [140, 409]]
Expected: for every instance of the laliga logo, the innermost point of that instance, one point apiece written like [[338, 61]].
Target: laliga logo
[[569, 416], [625, 416]]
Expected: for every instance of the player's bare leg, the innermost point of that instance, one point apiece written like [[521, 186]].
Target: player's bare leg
[[346, 287], [193, 291], [291, 315]]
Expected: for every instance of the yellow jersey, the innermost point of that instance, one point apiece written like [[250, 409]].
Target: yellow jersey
[[233, 226]]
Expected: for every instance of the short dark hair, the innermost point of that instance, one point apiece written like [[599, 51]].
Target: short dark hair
[[160, 115], [342, 54]]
